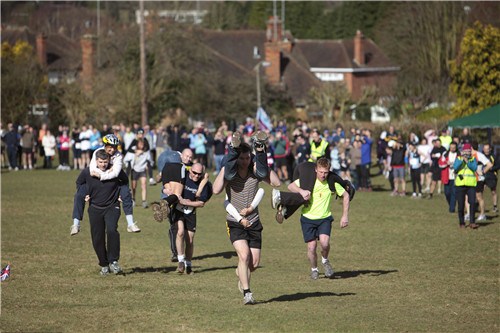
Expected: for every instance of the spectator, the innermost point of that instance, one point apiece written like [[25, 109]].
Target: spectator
[[424, 149], [414, 160], [490, 177], [219, 150], [366, 159], [11, 143], [483, 166], [281, 147], [448, 175], [318, 146], [398, 167], [65, 143], [303, 151], [465, 167], [77, 149], [28, 146], [49, 147], [436, 154], [85, 135], [355, 156]]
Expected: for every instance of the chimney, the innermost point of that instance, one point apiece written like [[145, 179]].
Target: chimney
[[359, 53], [272, 50], [274, 29], [41, 49], [87, 44], [273, 56]]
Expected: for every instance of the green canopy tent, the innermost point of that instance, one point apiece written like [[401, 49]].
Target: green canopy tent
[[488, 118]]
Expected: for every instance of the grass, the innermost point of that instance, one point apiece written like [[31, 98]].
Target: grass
[[402, 265]]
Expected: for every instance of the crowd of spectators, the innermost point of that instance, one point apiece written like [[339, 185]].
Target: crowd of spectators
[[423, 160]]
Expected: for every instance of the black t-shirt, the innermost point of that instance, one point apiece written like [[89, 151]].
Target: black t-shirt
[[436, 154], [102, 193], [398, 156], [219, 147]]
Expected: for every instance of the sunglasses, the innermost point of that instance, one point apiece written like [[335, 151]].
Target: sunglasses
[[197, 173]]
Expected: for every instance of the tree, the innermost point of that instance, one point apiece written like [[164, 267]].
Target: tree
[[329, 96], [422, 37], [23, 82], [475, 73]]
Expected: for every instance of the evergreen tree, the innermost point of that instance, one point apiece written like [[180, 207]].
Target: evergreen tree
[[476, 72]]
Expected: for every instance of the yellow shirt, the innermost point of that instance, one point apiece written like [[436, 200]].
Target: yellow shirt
[[321, 199]]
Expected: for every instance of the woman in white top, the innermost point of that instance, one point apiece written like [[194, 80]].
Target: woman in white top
[[424, 150], [139, 163], [49, 147]]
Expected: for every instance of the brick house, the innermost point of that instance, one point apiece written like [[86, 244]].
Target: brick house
[[298, 65]]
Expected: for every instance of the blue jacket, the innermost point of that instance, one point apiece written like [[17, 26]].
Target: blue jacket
[[366, 151]]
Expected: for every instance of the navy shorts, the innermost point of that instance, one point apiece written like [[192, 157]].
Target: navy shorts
[[311, 229]]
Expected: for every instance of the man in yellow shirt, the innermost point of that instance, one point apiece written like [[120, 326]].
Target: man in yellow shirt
[[316, 219]]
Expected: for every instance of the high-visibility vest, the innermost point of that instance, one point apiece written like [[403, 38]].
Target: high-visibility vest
[[318, 151], [465, 177]]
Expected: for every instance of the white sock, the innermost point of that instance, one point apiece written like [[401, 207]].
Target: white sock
[[130, 219], [323, 260], [188, 263], [76, 222], [314, 269], [181, 257]]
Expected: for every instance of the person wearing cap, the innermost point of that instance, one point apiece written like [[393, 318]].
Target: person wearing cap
[[465, 167]]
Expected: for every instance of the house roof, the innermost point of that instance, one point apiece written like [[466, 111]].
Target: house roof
[[62, 52], [234, 49], [340, 54]]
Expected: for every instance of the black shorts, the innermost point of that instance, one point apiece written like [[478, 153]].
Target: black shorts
[[280, 162], [436, 174], [491, 182], [189, 220], [77, 153], [426, 168], [27, 150], [173, 172], [480, 187], [252, 235], [136, 175]]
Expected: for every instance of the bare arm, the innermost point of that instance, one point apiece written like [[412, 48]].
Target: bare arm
[[296, 189], [219, 182], [344, 220], [203, 182], [191, 203]]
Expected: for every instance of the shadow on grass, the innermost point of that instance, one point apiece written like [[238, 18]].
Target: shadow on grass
[[225, 255], [352, 274], [485, 224], [301, 296], [211, 269], [135, 270], [380, 188]]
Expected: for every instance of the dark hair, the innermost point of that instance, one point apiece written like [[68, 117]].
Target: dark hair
[[101, 153], [244, 148]]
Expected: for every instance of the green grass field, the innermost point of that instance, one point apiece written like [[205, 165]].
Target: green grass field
[[403, 265]]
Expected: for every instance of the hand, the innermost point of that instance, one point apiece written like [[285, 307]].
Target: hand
[[244, 222], [87, 198], [344, 222], [246, 211], [95, 174], [305, 194]]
